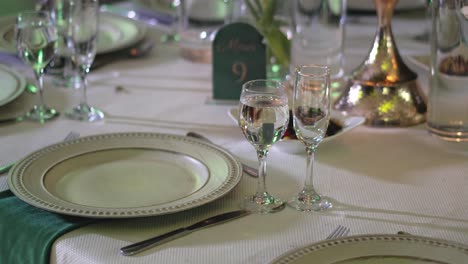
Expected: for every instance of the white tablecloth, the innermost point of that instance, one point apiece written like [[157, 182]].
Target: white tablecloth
[[383, 179]]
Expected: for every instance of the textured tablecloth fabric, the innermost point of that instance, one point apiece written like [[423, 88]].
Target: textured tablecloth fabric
[[382, 180], [28, 232]]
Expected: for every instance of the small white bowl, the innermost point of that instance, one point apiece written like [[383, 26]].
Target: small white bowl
[[293, 146]]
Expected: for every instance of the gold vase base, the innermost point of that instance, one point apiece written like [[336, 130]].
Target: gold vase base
[[395, 105]]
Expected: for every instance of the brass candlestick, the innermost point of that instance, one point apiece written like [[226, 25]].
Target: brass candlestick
[[383, 89]]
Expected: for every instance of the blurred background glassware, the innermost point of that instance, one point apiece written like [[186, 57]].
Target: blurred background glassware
[[273, 20], [61, 67], [448, 108], [263, 119], [319, 32], [311, 113], [84, 28], [164, 12], [199, 22], [36, 43]]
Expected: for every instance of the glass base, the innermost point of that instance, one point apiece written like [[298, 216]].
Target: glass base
[[41, 113], [449, 133], [263, 204], [85, 113], [169, 38], [308, 202]]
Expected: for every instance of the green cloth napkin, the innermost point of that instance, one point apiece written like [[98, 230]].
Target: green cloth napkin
[[27, 233]]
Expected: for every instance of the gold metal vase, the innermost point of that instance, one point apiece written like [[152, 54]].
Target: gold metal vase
[[383, 89]]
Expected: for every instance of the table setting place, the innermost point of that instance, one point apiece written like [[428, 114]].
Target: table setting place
[[234, 131]]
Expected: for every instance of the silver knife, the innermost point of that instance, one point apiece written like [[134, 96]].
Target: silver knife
[[158, 240]]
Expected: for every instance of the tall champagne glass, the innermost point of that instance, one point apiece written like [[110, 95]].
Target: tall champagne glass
[[84, 27], [36, 43], [311, 113], [264, 116]]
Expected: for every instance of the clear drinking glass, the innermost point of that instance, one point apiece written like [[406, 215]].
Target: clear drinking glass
[[84, 28], [311, 113], [172, 33], [61, 67], [322, 18], [447, 115], [264, 116], [36, 43]]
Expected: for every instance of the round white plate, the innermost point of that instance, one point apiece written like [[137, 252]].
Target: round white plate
[[296, 147], [125, 175], [13, 84], [368, 5], [118, 32], [115, 33], [378, 249]]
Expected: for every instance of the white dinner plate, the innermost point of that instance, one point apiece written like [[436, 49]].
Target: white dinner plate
[[368, 5], [115, 33], [379, 249], [12, 85], [296, 147], [125, 175]]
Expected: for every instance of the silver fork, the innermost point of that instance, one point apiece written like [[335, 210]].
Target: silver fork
[[71, 136], [340, 231]]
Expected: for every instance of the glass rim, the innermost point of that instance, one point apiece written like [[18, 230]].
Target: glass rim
[[41, 16], [325, 73], [33, 12], [247, 85]]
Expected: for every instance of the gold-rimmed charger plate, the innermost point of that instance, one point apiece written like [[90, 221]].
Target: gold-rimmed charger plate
[[381, 249], [125, 175], [115, 33], [13, 84]]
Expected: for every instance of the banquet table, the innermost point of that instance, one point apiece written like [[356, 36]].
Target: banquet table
[[382, 180]]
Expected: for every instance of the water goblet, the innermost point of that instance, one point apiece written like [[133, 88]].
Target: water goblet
[[84, 29], [264, 116], [36, 40], [311, 113]]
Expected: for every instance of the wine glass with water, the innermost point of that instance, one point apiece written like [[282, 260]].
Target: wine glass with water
[[36, 43], [311, 113], [264, 116], [84, 30]]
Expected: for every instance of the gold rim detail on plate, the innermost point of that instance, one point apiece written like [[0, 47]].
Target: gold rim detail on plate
[[19, 85], [365, 247], [28, 178]]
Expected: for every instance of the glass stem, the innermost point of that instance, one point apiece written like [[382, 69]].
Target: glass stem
[[309, 181], [84, 82], [40, 84], [261, 185]]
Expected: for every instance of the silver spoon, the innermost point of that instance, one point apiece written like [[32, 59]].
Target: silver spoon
[[246, 168]]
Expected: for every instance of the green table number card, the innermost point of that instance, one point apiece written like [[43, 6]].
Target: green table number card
[[239, 55]]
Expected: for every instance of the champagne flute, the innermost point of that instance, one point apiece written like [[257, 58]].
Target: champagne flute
[[264, 116], [36, 43], [311, 113], [84, 29]]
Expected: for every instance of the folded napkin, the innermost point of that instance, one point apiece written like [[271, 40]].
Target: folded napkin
[[27, 232]]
